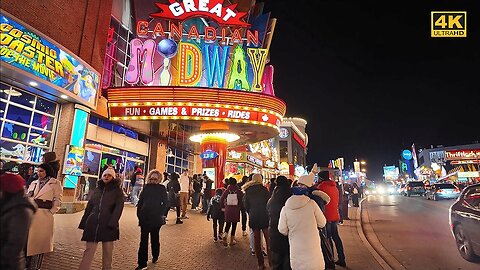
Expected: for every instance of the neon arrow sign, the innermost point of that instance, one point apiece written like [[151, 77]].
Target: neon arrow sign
[[213, 9]]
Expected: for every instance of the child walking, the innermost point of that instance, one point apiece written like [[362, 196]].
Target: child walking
[[215, 212]]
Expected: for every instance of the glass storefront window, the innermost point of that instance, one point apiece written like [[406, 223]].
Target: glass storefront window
[[19, 115], [14, 131], [45, 106], [12, 150], [42, 121], [91, 164], [39, 137], [23, 98], [26, 130]]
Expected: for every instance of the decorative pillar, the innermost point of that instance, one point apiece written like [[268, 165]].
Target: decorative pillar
[[218, 145]]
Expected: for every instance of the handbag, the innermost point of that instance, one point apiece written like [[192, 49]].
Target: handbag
[[327, 250], [45, 204]]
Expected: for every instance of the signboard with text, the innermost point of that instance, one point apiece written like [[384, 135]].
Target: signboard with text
[[30, 51], [202, 43], [462, 154], [194, 112]]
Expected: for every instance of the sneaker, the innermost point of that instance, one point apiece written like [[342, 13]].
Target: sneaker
[[341, 263], [154, 260], [252, 252], [184, 217], [244, 233], [215, 239], [179, 221], [220, 236]]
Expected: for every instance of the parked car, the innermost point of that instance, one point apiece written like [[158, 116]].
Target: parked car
[[442, 191], [415, 188], [465, 223]]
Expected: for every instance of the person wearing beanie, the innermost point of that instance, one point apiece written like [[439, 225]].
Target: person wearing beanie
[[278, 242], [46, 192], [151, 209], [16, 213], [100, 221], [304, 219], [255, 203], [215, 212]]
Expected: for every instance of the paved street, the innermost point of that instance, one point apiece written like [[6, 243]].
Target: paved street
[[415, 231], [186, 246]]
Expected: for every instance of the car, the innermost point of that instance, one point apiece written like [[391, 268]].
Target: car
[[415, 188], [464, 221], [442, 191], [401, 189]]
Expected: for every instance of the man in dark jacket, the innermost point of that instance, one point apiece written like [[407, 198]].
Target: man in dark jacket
[[255, 203], [100, 222], [279, 245], [173, 188], [215, 212], [197, 188], [151, 209], [16, 214]]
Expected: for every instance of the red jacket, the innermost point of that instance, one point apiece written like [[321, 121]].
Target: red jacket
[[331, 209]]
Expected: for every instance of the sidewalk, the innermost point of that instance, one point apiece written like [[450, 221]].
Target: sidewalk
[[186, 246], [356, 254]]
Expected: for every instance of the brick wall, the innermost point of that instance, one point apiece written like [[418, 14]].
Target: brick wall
[[80, 26]]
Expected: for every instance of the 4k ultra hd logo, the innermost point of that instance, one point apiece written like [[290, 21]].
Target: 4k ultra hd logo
[[449, 23]]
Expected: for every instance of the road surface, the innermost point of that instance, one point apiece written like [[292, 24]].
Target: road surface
[[415, 231]]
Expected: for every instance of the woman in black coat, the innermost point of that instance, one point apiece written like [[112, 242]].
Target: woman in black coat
[[173, 188], [255, 202], [151, 216], [278, 242], [100, 220]]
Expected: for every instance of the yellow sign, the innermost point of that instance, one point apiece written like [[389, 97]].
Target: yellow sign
[[449, 23]]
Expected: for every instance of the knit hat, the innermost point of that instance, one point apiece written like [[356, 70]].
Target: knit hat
[[299, 190], [49, 157], [11, 183], [110, 171]]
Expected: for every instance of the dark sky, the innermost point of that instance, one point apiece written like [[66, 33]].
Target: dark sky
[[370, 80]]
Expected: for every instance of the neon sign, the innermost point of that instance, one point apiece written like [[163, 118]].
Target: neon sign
[[201, 8], [28, 50], [209, 154], [181, 50]]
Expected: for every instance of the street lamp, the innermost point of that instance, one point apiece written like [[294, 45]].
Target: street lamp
[[363, 162]]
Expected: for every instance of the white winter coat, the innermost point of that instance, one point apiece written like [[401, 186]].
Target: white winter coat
[[300, 219], [40, 236]]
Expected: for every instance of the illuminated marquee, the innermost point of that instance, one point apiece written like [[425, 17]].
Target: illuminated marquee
[[217, 113], [29, 51], [180, 50]]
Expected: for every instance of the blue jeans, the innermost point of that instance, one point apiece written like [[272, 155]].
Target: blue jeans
[[332, 234], [135, 194]]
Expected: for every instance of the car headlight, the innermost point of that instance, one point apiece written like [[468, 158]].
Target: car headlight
[[380, 190]]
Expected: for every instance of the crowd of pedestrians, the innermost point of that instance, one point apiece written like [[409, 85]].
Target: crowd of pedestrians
[[292, 223]]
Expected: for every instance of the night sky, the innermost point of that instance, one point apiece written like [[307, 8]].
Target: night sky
[[371, 81]]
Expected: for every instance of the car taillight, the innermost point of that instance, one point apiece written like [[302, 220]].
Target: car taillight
[[409, 188], [457, 190], [440, 190]]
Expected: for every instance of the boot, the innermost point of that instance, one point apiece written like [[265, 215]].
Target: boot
[[179, 221], [232, 240]]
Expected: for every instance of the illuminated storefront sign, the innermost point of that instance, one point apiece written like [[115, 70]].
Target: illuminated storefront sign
[[299, 140], [407, 154], [209, 154], [283, 133], [30, 51], [468, 174], [254, 160], [234, 155], [194, 113], [462, 154], [177, 48]]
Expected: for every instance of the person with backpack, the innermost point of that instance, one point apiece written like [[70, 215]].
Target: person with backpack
[[255, 203], [215, 212], [151, 208], [231, 203]]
